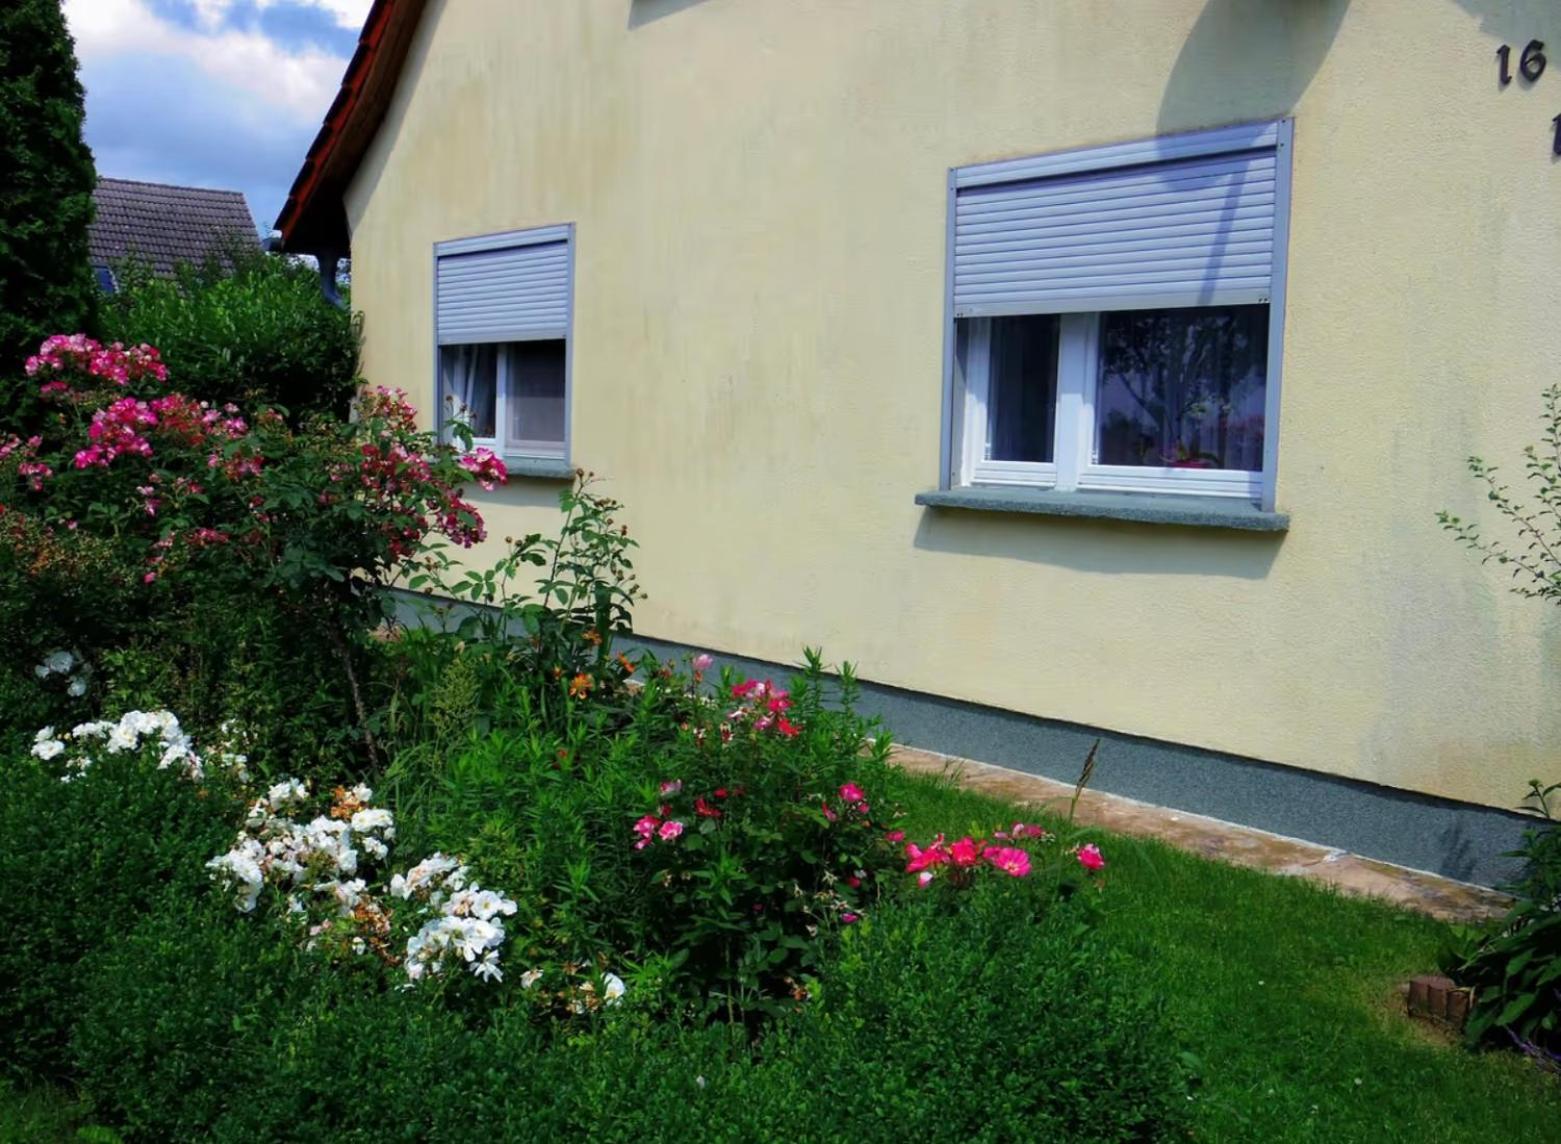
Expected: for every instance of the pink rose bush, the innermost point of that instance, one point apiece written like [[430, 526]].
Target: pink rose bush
[[63, 357], [133, 491], [760, 837], [959, 862], [184, 475]]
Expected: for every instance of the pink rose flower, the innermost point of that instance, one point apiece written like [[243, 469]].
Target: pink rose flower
[[1010, 860], [702, 662], [850, 792], [1090, 857], [672, 786], [848, 919], [670, 830], [966, 852], [935, 855]]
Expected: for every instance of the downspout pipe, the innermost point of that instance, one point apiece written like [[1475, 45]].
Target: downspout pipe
[[330, 262]]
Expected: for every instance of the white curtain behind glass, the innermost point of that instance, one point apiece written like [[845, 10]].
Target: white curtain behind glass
[[468, 380]]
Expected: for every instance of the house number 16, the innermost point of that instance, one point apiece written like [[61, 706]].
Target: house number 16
[[1531, 65]]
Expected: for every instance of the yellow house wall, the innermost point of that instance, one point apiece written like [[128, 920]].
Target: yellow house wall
[[759, 190]]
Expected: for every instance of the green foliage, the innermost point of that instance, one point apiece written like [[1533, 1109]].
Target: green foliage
[[80, 862], [997, 1025], [729, 910], [254, 329], [1005, 1019], [1514, 965], [543, 618], [45, 192], [175, 1015], [217, 565], [1533, 552]]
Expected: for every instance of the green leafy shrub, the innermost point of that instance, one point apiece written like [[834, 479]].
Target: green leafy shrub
[[175, 1016], [543, 619], [230, 563], [1514, 964], [253, 328], [702, 842], [80, 862], [1004, 1021]]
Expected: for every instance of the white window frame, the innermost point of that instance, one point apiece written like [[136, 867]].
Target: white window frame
[[512, 450], [1073, 466]]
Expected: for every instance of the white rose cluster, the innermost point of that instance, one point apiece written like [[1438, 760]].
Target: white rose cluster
[[466, 926], [315, 857], [130, 732], [317, 863], [69, 666]]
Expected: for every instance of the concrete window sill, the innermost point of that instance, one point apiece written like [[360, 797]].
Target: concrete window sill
[[542, 468], [1141, 508]]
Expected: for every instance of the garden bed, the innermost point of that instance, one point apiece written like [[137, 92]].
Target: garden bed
[[270, 870], [1284, 995]]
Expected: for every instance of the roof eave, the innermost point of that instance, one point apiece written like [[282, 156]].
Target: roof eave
[[314, 219]]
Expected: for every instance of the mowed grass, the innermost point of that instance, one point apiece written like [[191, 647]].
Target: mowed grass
[[1285, 993]]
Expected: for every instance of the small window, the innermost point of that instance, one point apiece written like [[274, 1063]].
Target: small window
[[1116, 316], [502, 318], [516, 387]]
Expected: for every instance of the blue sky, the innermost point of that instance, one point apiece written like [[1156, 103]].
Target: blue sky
[[211, 93]]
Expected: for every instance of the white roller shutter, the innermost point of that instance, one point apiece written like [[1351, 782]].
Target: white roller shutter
[[1156, 228], [508, 293]]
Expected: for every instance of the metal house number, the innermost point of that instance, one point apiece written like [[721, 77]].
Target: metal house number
[[1531, 65]]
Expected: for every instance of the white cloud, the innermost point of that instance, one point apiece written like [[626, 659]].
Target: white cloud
[[206, 94], [347, 13], [298, 84]]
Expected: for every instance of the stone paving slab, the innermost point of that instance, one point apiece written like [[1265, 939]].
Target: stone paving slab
[[1349, 873]]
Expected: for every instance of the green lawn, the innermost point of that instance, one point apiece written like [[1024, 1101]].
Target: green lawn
[[1286, 993]]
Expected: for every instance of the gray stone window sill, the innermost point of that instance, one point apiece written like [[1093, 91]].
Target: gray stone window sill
[[1142, 508], [543, 468]]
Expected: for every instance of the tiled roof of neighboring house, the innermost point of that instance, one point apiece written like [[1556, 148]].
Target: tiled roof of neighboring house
[[314, 220], [165, 225]]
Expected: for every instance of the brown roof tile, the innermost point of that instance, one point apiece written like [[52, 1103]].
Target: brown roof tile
[[165, 225]]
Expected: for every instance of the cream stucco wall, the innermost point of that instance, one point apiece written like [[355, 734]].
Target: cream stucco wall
[[759, 193]]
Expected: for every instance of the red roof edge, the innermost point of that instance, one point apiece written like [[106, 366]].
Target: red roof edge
[[313, 218]]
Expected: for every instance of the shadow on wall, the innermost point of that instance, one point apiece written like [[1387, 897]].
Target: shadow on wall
[[1109, 548], [1515, 22], [642, 12], [1246, 61]]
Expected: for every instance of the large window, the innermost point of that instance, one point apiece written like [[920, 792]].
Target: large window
[[502, 317], [1116, 316]]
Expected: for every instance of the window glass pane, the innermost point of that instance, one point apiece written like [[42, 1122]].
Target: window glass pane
[[1182, 388], [468, 380], [1022, 392], [536, 397]]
